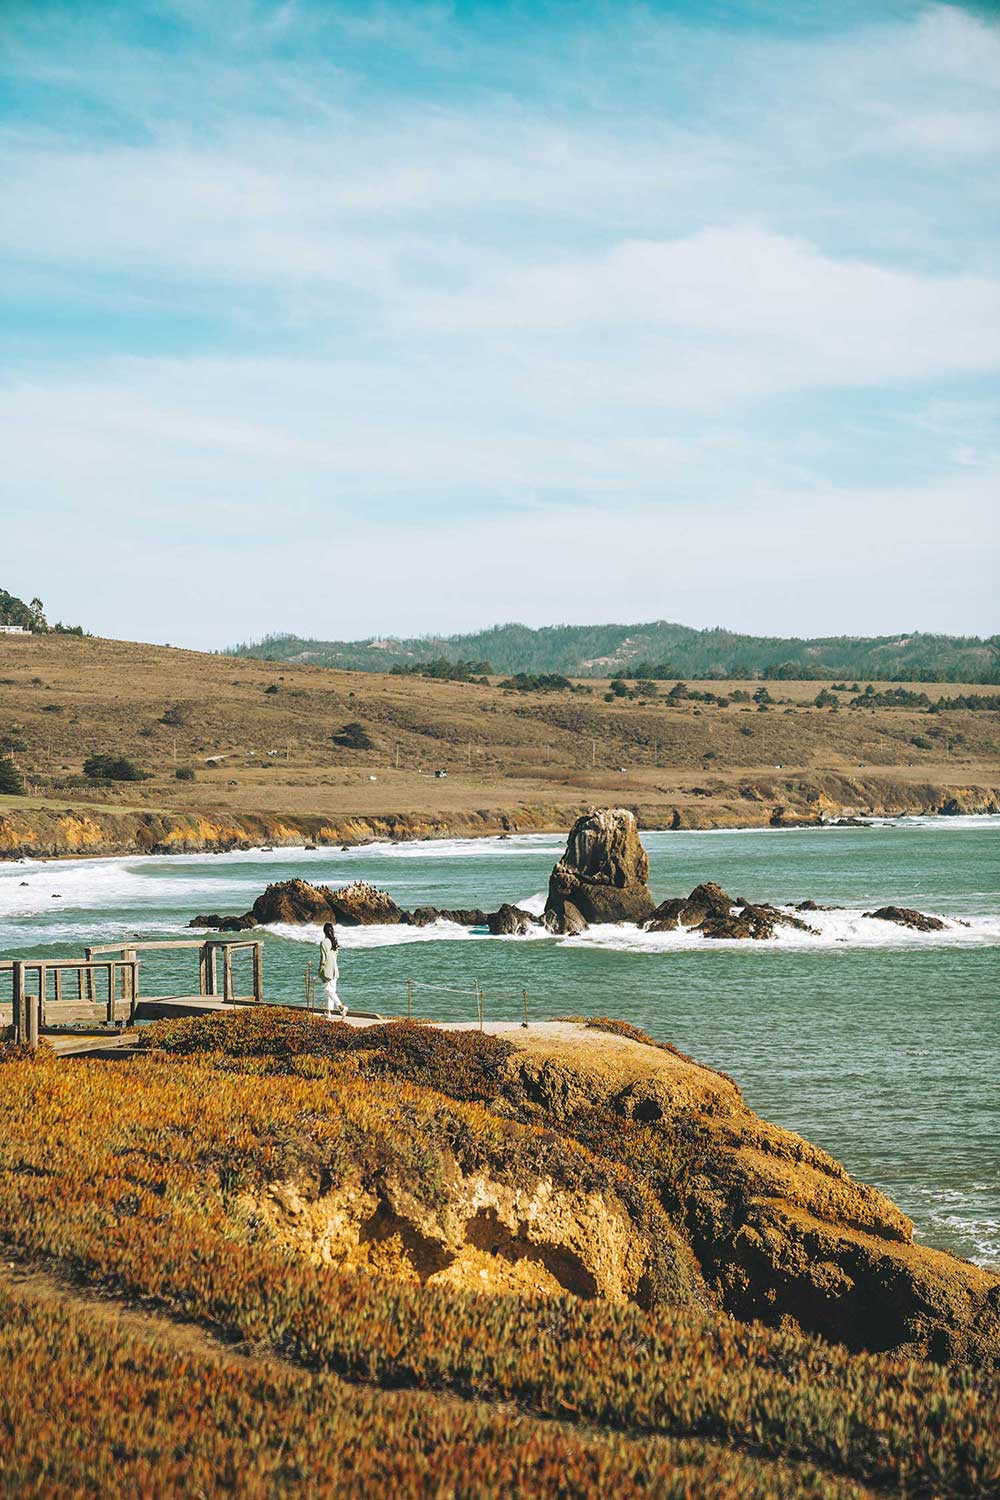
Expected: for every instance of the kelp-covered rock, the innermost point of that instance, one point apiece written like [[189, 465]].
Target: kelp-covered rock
[[603, 874]]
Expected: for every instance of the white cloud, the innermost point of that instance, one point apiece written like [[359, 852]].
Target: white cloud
[[866, 560], [614, 289]]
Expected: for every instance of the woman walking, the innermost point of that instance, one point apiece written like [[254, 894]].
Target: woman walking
[[329, 971]]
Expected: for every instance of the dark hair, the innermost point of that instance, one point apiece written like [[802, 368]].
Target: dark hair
[[330, 932]]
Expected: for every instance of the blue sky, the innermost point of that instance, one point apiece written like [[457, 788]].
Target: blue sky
[[395, 318]]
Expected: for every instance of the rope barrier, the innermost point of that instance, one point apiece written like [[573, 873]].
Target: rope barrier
[[445, 989]]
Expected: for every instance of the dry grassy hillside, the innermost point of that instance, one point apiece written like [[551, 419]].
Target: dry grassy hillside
[[536, 756]]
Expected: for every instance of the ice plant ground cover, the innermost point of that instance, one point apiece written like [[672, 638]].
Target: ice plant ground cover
[[132, 1179]]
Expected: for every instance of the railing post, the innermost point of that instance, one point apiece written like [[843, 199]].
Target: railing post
[[258, 971], [34, 1021], [89, 955], [227, 974], [132, 959], [43, 984], [524, 997], [203, 970], [112, 987], [18, 1015]]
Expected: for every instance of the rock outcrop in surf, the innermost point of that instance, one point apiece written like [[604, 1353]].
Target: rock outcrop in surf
[[905, 916], [603, 875], [601, 878], [713, 913], [296, 903]]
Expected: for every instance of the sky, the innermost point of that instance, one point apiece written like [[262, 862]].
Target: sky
[[360, 319]]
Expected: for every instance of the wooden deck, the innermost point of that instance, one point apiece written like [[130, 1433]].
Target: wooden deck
[[57, 1000]]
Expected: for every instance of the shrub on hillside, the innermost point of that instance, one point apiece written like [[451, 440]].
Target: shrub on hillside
[[462, 1064], [354, 736], [113, 768]]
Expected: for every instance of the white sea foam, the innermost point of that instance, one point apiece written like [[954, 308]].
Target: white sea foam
[[949, 1214], [476, 848], [842, 927], [381, 936], [535, 904], [833, 928]]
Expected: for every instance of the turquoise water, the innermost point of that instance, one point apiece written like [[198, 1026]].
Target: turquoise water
[[879, 1044]]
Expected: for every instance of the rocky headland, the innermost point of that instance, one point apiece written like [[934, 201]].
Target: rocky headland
[[607, 1166]]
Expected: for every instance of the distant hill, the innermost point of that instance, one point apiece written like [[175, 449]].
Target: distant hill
[[659, 649]]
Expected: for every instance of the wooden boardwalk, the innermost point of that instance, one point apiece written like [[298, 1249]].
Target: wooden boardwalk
[[81, 1004]]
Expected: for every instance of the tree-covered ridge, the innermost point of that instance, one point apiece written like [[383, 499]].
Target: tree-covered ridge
[[659, 650], [31, 616]]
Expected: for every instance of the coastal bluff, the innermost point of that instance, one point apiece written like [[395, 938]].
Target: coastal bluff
[[596, 1161]]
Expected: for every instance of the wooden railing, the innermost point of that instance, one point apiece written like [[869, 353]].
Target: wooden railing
[[208, 971], [39, 1000], [33, 1009]]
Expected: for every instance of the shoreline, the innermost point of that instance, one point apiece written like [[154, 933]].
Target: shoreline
[[86, 836]]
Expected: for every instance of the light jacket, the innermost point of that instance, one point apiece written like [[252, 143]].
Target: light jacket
[[328, 966]]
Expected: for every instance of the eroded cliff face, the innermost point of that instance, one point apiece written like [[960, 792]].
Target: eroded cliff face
[[486, 1235], [42, 833], [37, 832]]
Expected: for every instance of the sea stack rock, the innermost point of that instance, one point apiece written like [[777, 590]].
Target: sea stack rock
[[603, 876]]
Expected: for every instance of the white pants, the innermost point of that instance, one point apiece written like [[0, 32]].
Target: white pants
[[334, 1004]]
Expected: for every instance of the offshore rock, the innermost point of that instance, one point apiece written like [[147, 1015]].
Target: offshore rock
[[706, 902], [225, 924], [465, 916], [755, 922], [508, 921], [710, 911], [298, 902], [603, 874], [904, 916]]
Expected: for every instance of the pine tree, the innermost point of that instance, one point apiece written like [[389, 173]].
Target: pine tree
[[11, 780]]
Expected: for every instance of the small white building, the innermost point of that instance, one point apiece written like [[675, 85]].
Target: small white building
[[14, 630]]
